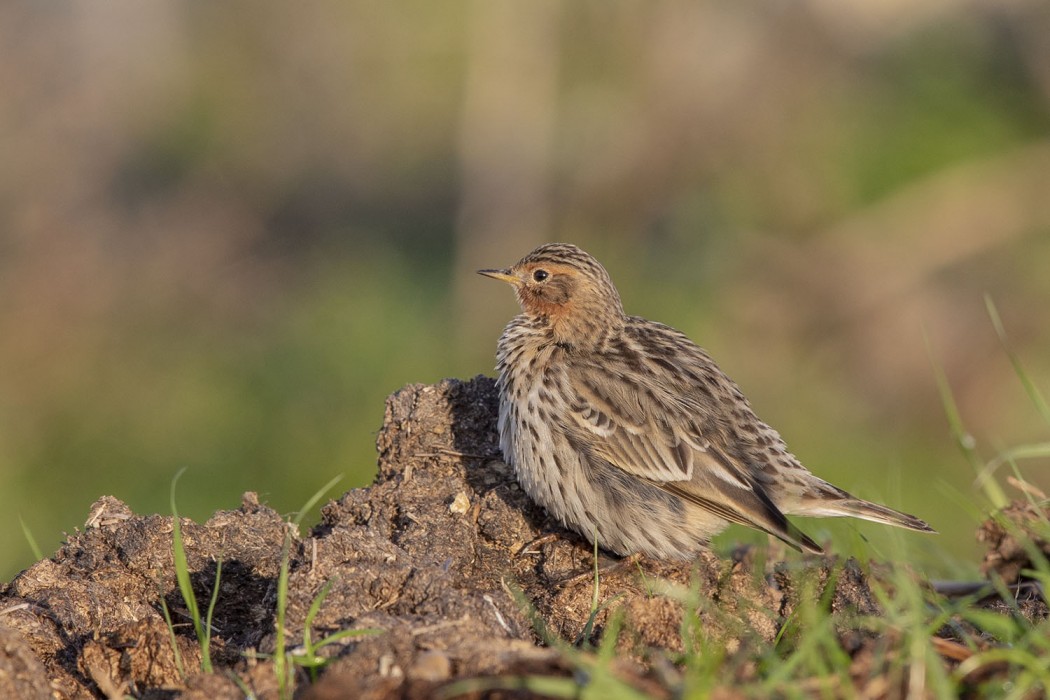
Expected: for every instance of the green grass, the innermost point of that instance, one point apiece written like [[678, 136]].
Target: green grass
[[201, 626], [280, 657], [30, 540], [307, 655]]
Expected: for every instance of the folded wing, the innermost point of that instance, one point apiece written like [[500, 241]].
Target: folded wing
[[655, 430]]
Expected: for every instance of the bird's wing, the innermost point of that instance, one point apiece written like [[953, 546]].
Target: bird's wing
[[653, 431], [644, 427]]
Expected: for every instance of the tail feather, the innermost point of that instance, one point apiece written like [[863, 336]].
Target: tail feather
[[865, 510], [798, 539]]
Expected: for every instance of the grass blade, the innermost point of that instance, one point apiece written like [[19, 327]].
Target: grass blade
[[33, 546], [1029, 386], [182, 576], [963, 438], [280, 660], [314, 499], [206, 642]]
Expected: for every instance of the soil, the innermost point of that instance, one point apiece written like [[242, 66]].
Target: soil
[[447, 567]]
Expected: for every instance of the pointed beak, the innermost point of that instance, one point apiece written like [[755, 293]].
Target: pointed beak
[[501, 275]]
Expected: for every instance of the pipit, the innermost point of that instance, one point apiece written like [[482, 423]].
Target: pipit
[[628, 432]]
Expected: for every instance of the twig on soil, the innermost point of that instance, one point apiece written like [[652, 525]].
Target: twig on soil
[[527, 548], [15, 608], [499, 616], [437, 627], [950, 650]]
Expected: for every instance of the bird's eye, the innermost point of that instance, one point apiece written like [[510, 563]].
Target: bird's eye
[[540, 275]]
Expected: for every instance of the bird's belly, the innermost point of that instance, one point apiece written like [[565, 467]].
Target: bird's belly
[[598, 500]]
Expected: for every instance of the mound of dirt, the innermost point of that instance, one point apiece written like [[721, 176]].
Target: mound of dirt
[[1016, 535], [447, 567]]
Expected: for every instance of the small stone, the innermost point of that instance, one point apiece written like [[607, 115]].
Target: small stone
[[388, 667], [431, 665], [460, 504]]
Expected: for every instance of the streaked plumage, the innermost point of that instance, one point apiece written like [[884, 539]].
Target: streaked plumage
[[624, 428]]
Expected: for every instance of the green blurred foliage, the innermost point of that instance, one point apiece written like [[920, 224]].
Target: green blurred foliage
[[227, 232]]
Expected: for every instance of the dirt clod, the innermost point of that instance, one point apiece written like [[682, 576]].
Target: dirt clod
[[1009, 535]]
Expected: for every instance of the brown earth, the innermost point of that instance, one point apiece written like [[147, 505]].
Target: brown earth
[[446, 558]]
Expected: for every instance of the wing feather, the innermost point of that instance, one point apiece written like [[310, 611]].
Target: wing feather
[[652, 430]]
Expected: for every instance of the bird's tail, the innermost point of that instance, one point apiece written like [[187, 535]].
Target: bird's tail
[[847, 505], [866, 510]]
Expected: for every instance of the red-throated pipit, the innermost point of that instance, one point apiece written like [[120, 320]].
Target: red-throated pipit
[[624, 429]]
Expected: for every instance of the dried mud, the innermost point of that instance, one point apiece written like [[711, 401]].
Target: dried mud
[[444, 555]]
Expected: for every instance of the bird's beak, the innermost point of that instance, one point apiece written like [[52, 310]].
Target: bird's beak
[[501, 275]]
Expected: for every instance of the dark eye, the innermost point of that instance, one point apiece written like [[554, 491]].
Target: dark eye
[[540, 275]]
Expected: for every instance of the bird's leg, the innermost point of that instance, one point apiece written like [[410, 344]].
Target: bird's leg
[[533, 546], [604, 570]]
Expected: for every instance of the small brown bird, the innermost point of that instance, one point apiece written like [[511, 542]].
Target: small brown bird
[[627, 431]]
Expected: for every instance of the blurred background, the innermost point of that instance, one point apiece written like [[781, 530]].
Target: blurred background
[[229, 230]]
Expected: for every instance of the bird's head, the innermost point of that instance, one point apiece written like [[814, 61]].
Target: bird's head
[[568, 288]]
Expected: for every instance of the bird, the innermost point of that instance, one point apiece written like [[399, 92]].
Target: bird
[[627, 432]]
